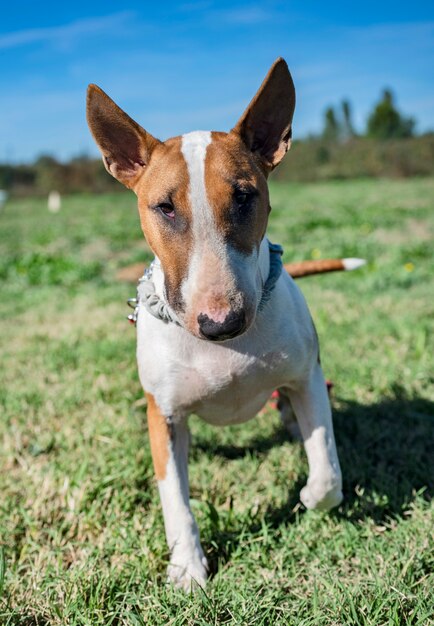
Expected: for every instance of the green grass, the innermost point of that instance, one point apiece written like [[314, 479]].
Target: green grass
[[80, 521]]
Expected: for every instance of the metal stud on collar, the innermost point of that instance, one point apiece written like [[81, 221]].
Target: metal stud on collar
[[134, 304]]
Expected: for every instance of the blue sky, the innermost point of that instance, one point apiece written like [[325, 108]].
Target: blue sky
[[181, 66]]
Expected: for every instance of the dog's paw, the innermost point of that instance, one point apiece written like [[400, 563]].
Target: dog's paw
[[188, 573], [320, 496]]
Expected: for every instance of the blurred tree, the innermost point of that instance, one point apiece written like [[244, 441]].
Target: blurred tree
[[386, 122], [331, 130], [322, 155], [347, 124], [49, 173], [17, 177]]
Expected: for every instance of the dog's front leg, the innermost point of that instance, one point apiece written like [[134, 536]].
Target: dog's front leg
[[312, 409], [169, 447]]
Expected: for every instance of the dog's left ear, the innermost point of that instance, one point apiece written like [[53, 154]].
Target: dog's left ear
[[265, 126], [125, 146]]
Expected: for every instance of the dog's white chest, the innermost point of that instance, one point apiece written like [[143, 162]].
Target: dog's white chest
[[222, 383], [219, 384], [227, 387]]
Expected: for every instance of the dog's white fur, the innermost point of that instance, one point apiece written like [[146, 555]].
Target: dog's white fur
[[224, 382], [229, 383]]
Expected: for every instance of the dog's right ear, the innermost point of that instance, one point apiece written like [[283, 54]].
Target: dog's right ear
[[125, 146], [266, 124]]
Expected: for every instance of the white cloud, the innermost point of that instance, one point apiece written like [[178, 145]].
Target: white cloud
[[73, 31], [248, 15], [413, 32]]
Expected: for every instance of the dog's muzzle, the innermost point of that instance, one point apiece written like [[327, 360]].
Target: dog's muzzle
[[234, 324]]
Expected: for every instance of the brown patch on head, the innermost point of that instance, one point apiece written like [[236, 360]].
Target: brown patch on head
[[166, 182], [221, 282], [159, 436], [231, 172], [157, 173]]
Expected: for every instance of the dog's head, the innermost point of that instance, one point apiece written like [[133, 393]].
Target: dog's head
[[203, 201]]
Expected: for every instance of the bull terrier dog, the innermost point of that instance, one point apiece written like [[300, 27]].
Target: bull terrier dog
[[219, 325]]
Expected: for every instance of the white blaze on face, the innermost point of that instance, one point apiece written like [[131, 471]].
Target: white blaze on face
[[219, 279], [209, 280], [193, 148]]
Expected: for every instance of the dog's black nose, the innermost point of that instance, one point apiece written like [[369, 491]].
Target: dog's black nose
[[233, 325]]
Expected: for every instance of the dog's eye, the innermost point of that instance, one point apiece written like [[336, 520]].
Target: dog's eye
[[167, 210], [243, 197]]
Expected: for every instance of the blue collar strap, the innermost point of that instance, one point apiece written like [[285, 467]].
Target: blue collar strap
[[276, 265]]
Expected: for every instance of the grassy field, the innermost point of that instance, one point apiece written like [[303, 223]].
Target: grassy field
[[80, 521]]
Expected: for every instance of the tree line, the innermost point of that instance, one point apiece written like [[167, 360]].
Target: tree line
[[387, 147], [384, 122]]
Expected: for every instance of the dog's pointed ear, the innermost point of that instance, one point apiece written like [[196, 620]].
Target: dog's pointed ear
[[125, 146], [265, 126]]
